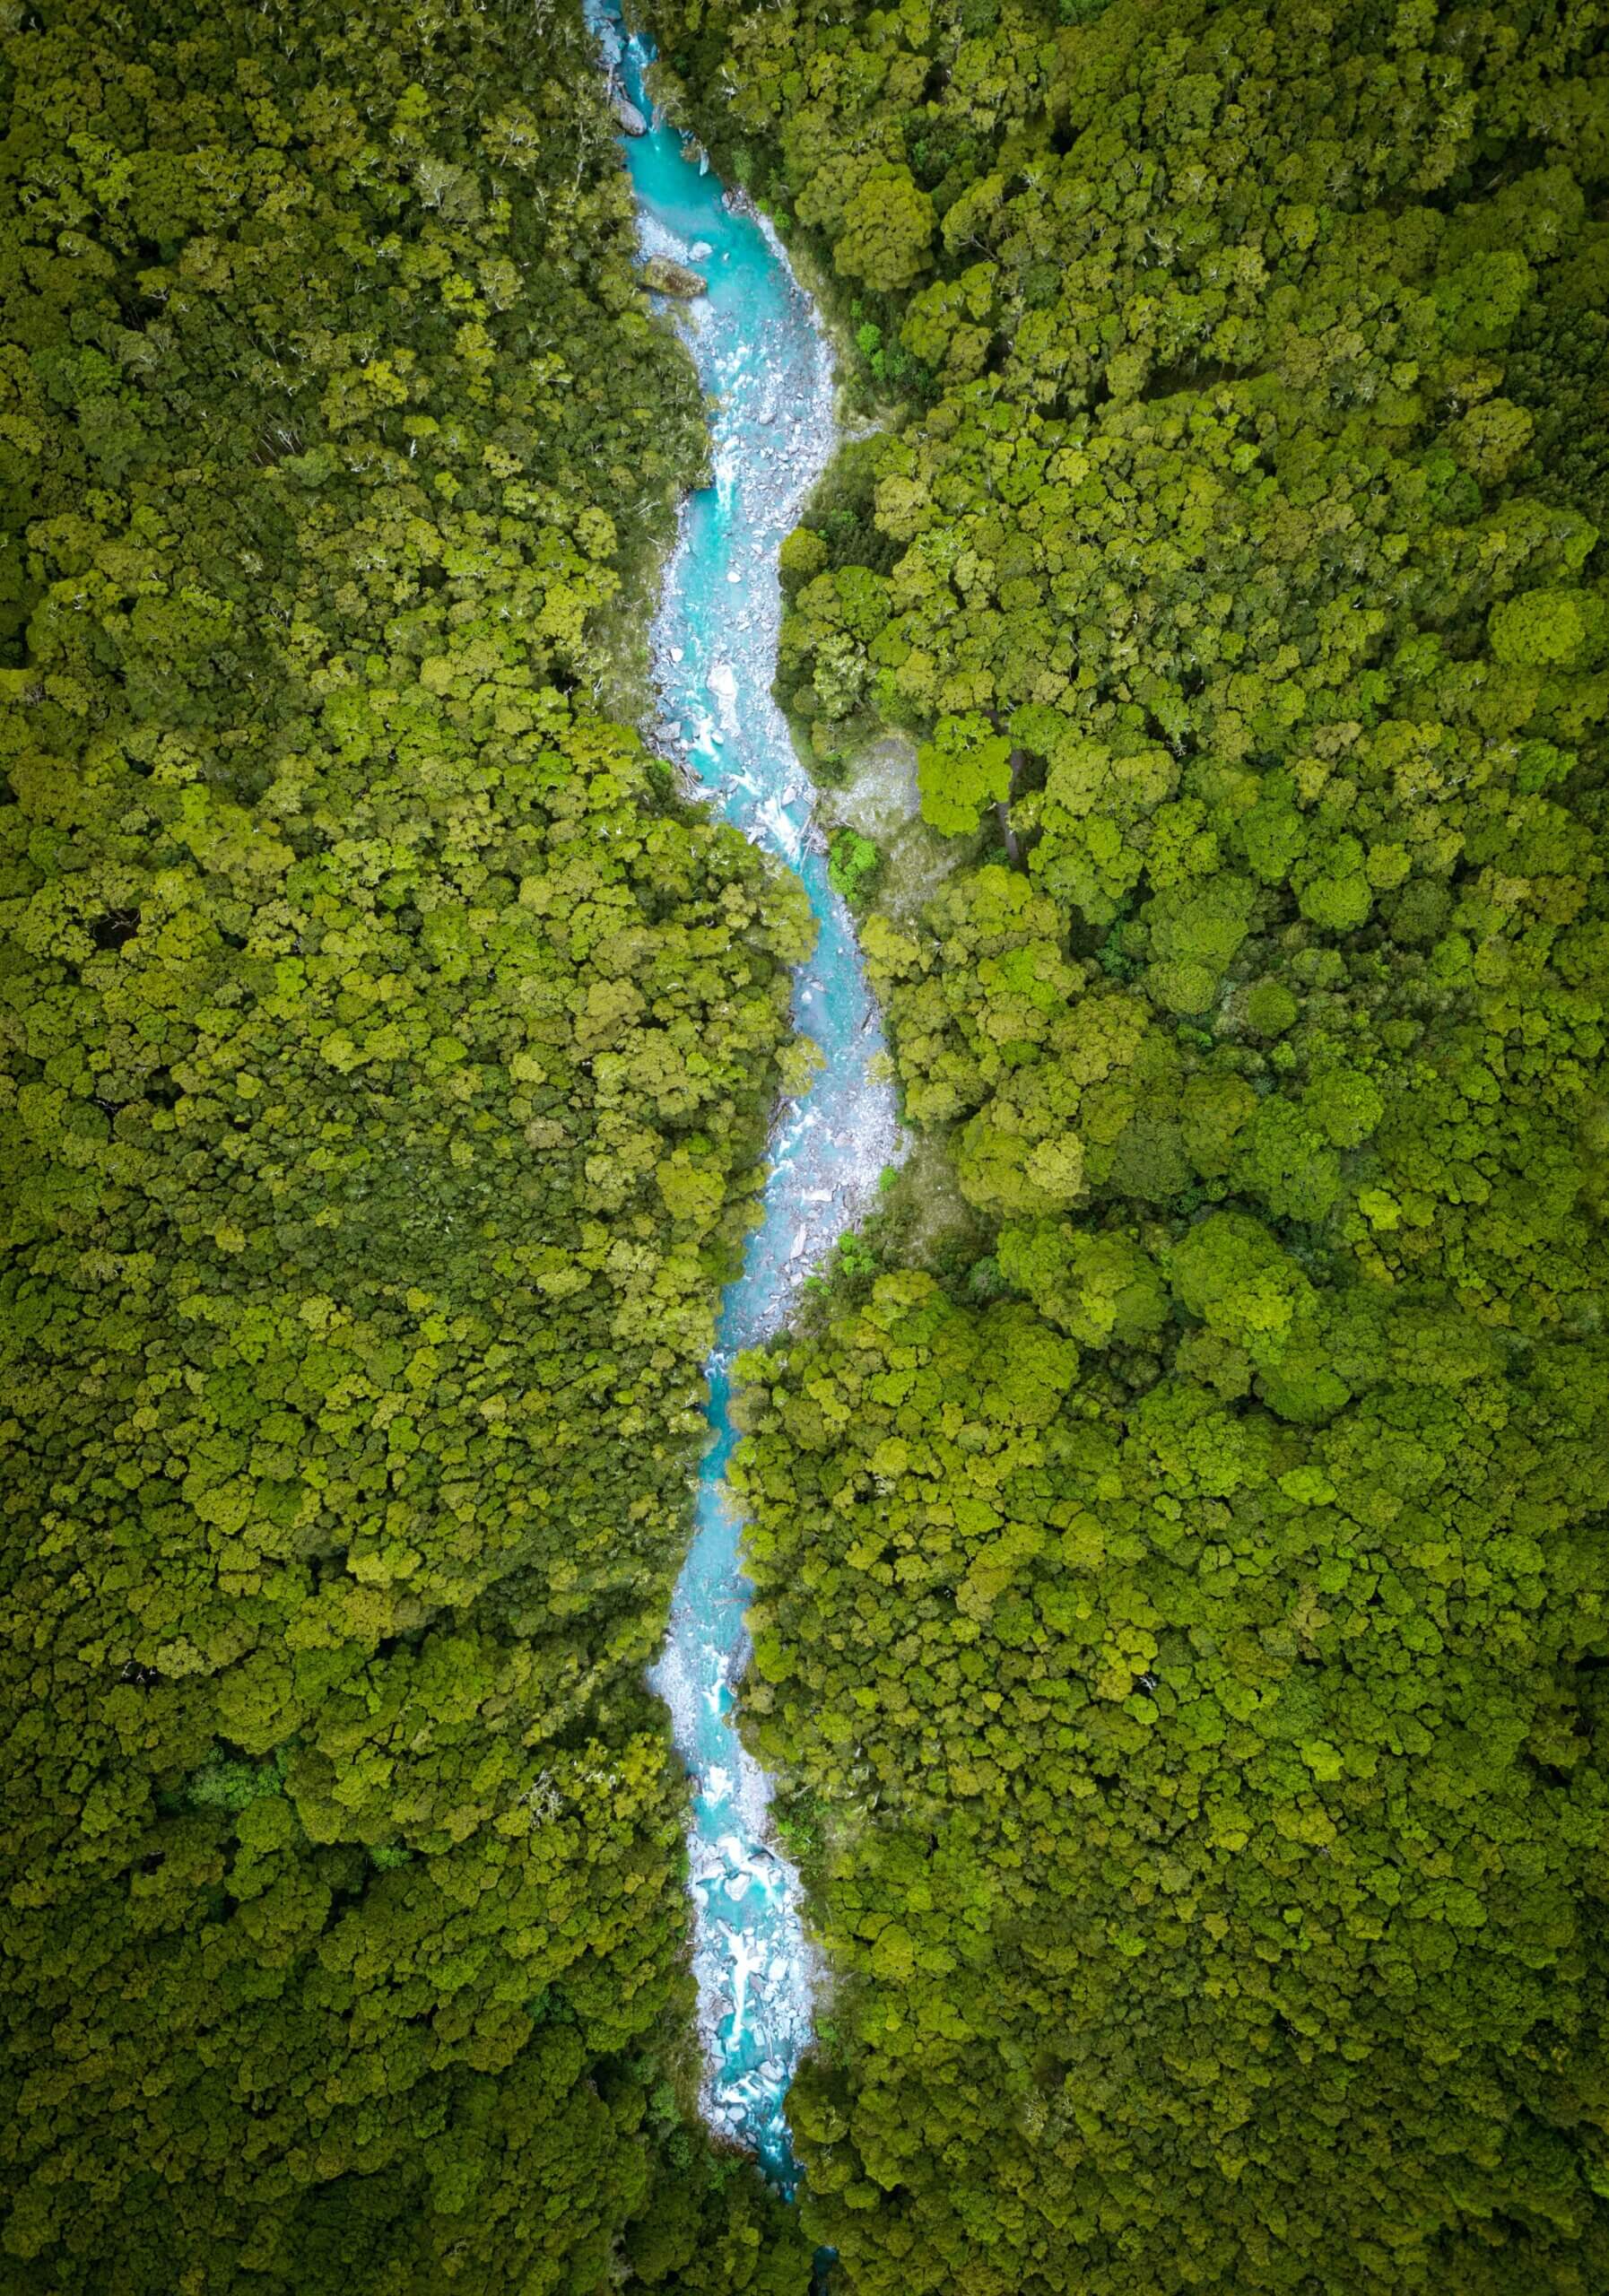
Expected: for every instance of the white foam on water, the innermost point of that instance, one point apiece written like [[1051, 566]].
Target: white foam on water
[[765, 363]]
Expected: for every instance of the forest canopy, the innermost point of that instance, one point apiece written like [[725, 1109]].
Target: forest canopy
[[1181, 1586], [388, 1057], [1177, 1527]]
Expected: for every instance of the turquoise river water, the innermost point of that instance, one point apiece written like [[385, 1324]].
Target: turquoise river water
[[766, 365]]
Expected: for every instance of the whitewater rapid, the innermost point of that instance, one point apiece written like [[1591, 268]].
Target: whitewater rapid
[[766, 367]]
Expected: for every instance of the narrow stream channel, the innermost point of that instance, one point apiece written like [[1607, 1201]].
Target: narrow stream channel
[[763, 359]]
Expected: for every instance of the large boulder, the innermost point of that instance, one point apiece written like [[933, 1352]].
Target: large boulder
[[630, 120], [668, 277]]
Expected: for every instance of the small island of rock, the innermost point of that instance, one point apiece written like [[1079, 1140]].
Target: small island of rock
[[665, 276]]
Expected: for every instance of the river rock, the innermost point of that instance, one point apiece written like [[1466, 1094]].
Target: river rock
[[665, 276], [630, 120]]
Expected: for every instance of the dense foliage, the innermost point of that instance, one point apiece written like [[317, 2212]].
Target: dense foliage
[[1182, 1601], [389, 1056]]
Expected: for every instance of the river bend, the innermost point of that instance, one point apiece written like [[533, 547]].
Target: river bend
[[766, 364]]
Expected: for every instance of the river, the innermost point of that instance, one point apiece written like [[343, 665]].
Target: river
[[763, 359]]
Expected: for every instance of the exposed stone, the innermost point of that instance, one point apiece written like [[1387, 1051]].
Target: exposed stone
[[668, 277], [630, 120]]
